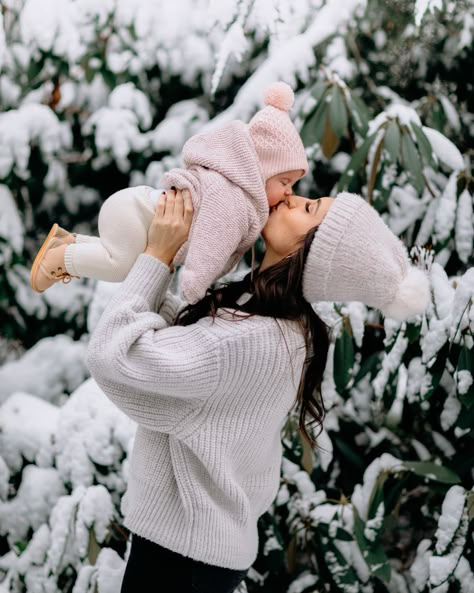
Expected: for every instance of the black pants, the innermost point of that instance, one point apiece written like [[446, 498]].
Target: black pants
[[154, 569]]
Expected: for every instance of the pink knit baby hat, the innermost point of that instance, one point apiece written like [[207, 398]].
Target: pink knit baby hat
[[278, 144], [354, 256]]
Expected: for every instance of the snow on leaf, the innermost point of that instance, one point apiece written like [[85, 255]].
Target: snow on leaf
[[420, 570], [390, 363], [27, 428], [92, 431], [127, 96], [52, 366], [450, 412], [362, 494], [446, 210], [95, 511], [39, 490], [464, 227], [442, 289], [451, 514], [11, 226], [444, 149]]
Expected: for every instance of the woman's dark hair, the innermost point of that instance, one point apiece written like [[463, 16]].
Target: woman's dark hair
[[277, 292]]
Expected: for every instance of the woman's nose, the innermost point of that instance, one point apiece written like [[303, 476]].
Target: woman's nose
[[293, 201]]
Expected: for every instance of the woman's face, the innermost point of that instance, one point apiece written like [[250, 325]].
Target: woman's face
[[290, 220]]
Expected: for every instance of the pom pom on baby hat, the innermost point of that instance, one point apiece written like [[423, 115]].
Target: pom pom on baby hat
[[278, 144], [354, 256]]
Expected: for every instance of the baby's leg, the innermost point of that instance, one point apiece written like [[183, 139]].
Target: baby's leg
[[123, 229]]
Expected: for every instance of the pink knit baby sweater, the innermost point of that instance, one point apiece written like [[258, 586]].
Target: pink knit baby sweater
[[225, 179]]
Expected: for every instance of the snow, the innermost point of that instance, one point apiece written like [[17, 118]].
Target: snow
[[94, 513], [450, 412], [405, 208], [325, 450], [93, 432], [39, 490], [27, 428], [404, 114], [363, 492], [442, 290], [443, 444], [64, 447], [450, 112], [51, 367], [302, 583], [422, 6], [31, 123], [446, 210], [50, 26], [116, 132], [11, 226], [390, 364], [419, 569], [444, 149], [464, 381], [4, 478], [464, 226], [451, 515], [127, 96], [374, 525], [394, 415]]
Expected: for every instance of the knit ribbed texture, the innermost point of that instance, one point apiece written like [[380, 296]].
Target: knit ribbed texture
[[278, 144], [209, 400], [356, 257], [227, 187]]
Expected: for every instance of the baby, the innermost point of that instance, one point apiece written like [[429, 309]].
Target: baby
[[234, 174]]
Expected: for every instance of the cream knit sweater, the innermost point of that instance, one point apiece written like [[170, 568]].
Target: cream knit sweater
[[210, 400]]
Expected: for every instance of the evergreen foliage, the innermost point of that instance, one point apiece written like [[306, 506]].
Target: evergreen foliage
[[97, 96]]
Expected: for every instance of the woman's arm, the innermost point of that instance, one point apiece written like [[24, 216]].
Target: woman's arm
[[132, 354]]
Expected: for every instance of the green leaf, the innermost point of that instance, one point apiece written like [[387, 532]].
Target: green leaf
[[424, 146], [342, 573], [432, 471], [343, 359], [362, 110], [374, 555], [355, 163], [352, 458], [318, 89], [313, 128], [343, 535], [436, 370], [392, 140], [338, 113], [370, 365], [470, 504], [411, 162], [329, 141]]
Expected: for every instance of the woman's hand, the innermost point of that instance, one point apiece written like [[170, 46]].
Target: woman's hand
[[170, 226]]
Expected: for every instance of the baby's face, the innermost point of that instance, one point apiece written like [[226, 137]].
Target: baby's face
[[279, 187]]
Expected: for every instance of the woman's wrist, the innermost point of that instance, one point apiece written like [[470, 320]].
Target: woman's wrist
[[165, 258]]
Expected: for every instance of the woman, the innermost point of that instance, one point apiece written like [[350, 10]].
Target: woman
[[211, 392]]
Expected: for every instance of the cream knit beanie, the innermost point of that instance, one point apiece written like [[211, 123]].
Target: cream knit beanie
[[356, 257], [278, 144]]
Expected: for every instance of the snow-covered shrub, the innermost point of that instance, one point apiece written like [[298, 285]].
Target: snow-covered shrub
[[96, 96]]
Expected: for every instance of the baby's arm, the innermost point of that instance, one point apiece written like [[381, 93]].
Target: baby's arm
[[218, 232]]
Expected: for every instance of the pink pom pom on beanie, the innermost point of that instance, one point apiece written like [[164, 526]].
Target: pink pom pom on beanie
[[354, 256], [278, 144]]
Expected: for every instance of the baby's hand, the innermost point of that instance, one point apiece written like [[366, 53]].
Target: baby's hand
[[170, 226]]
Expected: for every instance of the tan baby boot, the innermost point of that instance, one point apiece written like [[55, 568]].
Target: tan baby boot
[[48, 266]]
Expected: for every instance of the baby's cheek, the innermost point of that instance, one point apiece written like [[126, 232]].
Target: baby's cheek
[[273, 198]]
